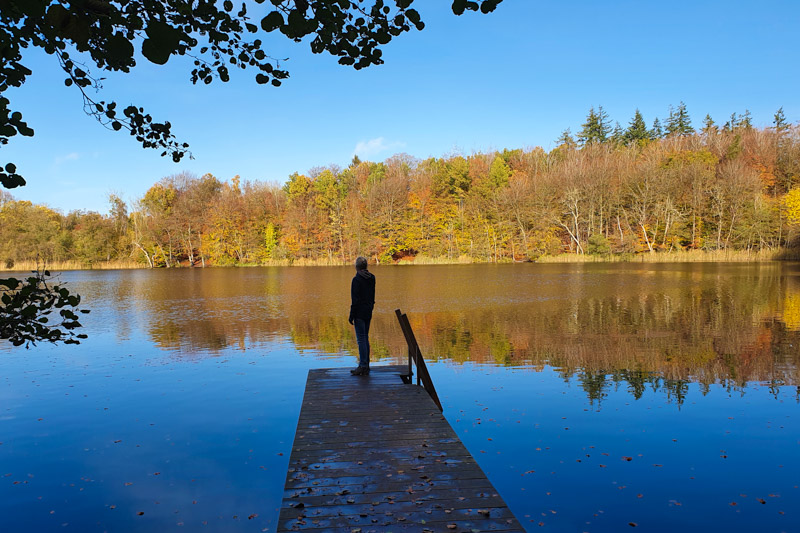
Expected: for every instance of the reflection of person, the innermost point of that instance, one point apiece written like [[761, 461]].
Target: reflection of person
[[362, 294]]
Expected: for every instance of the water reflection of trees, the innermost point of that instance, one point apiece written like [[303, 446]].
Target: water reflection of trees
[[195, 314], [642, 333], [688, 342], [655, 342]]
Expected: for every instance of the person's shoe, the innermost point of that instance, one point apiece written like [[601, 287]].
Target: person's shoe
[[360, 371]]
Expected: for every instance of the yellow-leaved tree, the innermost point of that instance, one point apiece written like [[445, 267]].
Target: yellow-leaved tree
[[791, 205]]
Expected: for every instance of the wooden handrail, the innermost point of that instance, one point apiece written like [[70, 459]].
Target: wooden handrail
[[415, 356], [412, 350]]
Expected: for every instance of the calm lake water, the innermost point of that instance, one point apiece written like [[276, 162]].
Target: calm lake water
[[596, 397]]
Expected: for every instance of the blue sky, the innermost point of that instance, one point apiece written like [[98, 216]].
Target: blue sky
[[512, 79]]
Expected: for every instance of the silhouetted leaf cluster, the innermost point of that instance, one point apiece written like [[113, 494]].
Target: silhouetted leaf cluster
[[26, 306]]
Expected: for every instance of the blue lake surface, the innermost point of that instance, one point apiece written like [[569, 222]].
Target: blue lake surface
[[596, 397]]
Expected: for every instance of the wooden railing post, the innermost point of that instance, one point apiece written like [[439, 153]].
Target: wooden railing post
[[415, 354], [412, 356]]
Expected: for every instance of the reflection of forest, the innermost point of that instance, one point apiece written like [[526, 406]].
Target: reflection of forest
[[649, 330]]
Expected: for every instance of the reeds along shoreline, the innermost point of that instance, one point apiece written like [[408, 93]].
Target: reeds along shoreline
[[690, 256], [27, 266]]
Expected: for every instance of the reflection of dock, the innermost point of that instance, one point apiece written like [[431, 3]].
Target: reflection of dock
[[372, 453]]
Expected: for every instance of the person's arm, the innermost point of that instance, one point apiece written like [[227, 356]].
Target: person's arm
[[352, 316]]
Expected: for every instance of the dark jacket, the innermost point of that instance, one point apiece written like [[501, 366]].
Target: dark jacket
[[362, 295]]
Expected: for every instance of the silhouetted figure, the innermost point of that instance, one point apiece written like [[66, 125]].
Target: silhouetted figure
[[362, 295]]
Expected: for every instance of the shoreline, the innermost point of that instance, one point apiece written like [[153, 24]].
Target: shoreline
[[692, 256]]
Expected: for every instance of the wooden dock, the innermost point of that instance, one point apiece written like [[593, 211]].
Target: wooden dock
[[374, 454]]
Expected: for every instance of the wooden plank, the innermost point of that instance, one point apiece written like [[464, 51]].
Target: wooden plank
[[374, 454]]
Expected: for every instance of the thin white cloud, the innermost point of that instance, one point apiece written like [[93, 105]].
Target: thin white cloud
[[375, 147], [73, 156]]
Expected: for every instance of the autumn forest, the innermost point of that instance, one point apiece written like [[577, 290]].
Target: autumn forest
[[608, 191]]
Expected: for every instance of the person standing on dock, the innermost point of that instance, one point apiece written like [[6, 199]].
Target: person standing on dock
[[362, 295]]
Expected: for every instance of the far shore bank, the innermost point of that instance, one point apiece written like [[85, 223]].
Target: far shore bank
[[691, 256]]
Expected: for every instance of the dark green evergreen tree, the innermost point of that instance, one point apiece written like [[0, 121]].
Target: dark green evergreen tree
[[678, 122], [732, 123], [595, 129], [656, 132], [709, 127], [779, 121], [617, 134], [669, 127], [637, 131], [746, 121], [566, 139], [605, 122]]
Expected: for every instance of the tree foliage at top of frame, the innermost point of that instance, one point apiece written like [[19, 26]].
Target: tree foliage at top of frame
[[217, 36]]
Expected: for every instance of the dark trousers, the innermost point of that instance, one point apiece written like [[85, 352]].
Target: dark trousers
[[362, 338]]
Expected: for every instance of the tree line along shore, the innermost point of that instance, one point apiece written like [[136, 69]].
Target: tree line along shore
[[666, 193]]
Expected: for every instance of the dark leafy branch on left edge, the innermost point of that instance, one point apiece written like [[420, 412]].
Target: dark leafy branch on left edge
[[26, 308]]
